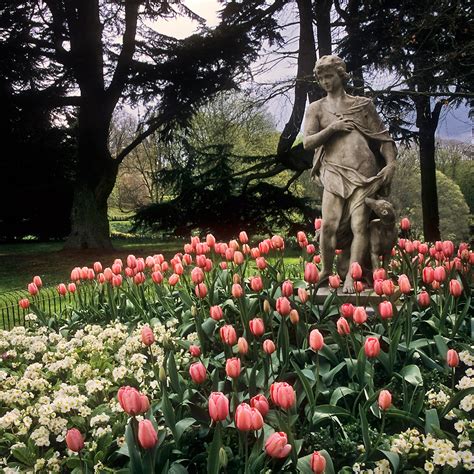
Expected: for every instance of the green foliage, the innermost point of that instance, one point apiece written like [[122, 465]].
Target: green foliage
[[406, 196]]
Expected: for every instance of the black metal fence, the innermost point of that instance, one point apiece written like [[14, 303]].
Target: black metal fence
[[48, 300]]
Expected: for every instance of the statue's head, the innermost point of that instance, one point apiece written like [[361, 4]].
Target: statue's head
[[333, 63]]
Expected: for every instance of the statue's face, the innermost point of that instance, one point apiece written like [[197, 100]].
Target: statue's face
[[330, 80]]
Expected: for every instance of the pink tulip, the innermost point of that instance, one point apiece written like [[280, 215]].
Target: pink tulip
[[303, 295], [261, 263], [194, 350], [347, 310], [278, 242], [74, 440], [282, 395], [317, 463], [218, 406], [117, 280], [378, 287], [405, 224], [452, 358], [424, 299], [147, 436], [76, 274], [287, 288], [239, 258], [311, 273], [316, 340], [455, 288], [343, 327], [404, 284], [198, 372], [37, 281], [380, 274], [197, 275], [385, 400], [32, 289], [62, 290], [148, 338], [360, 315], [24, 303], [388, 287], [260, 403], [256, 284], [132, 401], [269, 346], [157, 277], [237, 290], [257, 327], [71, 287], [277, 445], [356, 271], [294, 316], [448, 248], [317, 224], [210, 240], [247, 418], [283, 306], [372, 347], [201, 290], [232, 367], [334, 281], [439, 274], [386, 310], [216, 313], [228, 335], [173, 279], [242, 345]]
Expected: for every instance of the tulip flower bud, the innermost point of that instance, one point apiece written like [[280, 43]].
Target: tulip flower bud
[[303, 295], [62, 290], [311, 273], [360, 315], [223, 458], [37, 281], [74, 440], [148, 338], [356, 271], [424, 299], [216, 313], [24, 303], [287, 288], [257, 327], [334, 281], [228, 335], [269, 346], [372, 347], [256, 284], [452, 358], [237, 290], [198, 372], [200, 290], [385, 400], [266, 306], [32, 289], [162, 374], [147, 436], [277, 445], [232, 367], [405, 224], [260, 403], [455, 288], [282, 394], [317, 463], [242, 346], [317, 224], [218, 406], [71, 287], [195, 351], [404, 284], [283, 306], [347, 310], [294, 316], [316, 340], [386, 310], [343, 327]]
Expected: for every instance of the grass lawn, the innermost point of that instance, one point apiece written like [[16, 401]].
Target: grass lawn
[[20, 262]]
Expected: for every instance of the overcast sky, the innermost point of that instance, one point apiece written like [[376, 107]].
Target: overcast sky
[[454, 123]]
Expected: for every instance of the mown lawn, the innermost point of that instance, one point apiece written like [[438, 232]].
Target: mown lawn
[[20, 262]]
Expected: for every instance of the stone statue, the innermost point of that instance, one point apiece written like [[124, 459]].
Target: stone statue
[[354, 160]]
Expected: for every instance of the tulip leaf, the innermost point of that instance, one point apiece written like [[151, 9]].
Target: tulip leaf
[[328, 411], [173, 373], [411, 373], [306, 385], [361, 361], [456, 400], [329, 376], [340, 392], [213, 463], [177, 468], [182, 426], [185, 298], [441, 345], [168, 412], [403, 415], [431, 420], [364, 427], [328, 353], [394, 459], [133, 450]]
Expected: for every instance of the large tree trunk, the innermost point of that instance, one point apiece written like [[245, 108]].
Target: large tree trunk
[[95, 178], [427, 122]]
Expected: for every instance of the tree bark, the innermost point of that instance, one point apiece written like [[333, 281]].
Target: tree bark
[[322, 13], [427, 122]]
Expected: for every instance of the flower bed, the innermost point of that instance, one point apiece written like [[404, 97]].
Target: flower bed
[[221, 359]]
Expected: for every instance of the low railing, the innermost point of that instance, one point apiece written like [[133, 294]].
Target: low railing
[[48, 300]]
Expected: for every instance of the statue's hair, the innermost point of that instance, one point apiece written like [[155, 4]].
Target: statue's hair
[[331, 62]]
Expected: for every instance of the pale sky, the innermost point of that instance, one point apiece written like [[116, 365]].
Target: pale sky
[[454, 123]]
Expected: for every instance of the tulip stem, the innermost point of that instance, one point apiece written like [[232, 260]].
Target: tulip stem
[[452, 378], [246, 445], [379, 437], [317, 379]]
